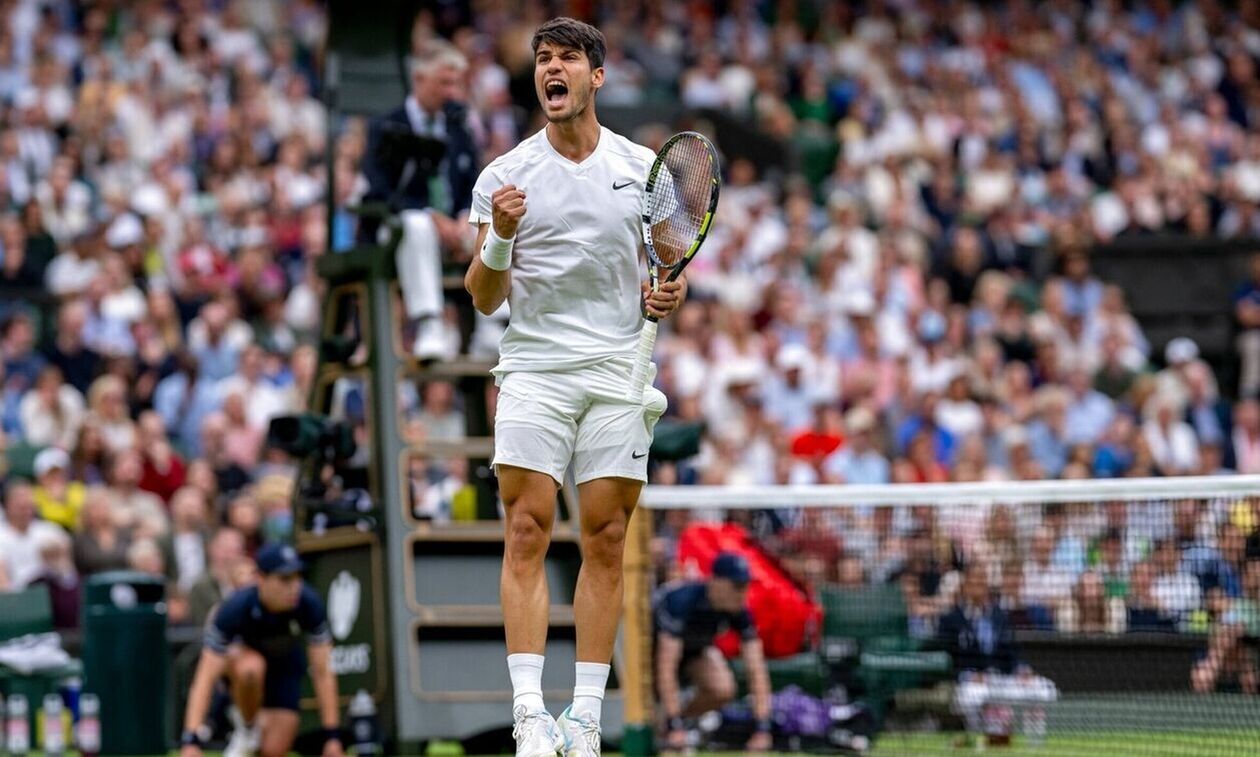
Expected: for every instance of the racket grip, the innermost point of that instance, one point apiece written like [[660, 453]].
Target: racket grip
[[642, 361]]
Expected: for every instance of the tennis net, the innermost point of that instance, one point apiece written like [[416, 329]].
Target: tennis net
[[1077, 615]]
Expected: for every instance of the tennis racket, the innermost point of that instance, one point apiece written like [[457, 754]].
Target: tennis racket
[[679, 200]]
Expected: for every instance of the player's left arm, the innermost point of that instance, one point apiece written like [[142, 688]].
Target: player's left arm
[[324, 681], [667, 298], [759, 687]]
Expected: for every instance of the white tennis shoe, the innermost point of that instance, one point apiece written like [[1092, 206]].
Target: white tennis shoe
[[245, 740], [581, 737], [536, 734]]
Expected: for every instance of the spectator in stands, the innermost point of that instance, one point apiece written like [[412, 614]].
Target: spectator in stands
[[1245, 439], [56, 570], [1171, 441], [1047, 586], [244, 516], [100, 544], [21, 535], [1206, 414], [812, 547], [1231, 651], [1176, 592], [187, 543], [162, 472], [52, 412], [58, 499], [131, 503], [1247, 319], [1173, 382], [107, 408], [225, 555], [441, 417], [1091, 608], [77, 362], [858, 461], [689, 616]]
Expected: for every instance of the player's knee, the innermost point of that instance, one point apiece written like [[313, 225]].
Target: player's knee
[[526, 537], [250, 668], [606, 542], [273, 750], [723, 687]]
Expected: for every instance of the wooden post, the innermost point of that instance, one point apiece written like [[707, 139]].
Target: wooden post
[[637, 628]]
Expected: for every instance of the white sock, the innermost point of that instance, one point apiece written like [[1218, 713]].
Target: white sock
[[526, 672], [588, 690]]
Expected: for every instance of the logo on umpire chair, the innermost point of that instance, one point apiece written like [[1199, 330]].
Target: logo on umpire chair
[[343, 604]]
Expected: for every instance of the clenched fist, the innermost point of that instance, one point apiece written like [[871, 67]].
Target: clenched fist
[[508, 206]]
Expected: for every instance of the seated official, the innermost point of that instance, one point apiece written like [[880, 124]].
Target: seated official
[[689, 617], [433, 200], [980, 639]]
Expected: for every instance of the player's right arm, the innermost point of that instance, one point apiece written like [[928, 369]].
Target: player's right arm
[[209, 670], [221, 628], [669, 652], [488, 286]]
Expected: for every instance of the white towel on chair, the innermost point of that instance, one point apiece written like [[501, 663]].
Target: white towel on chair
[[419, 260], [37, 651]]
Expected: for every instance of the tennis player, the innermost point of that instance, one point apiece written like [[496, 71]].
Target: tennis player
[[559, 234]]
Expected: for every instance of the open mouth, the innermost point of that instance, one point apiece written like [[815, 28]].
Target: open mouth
[[555, 92]]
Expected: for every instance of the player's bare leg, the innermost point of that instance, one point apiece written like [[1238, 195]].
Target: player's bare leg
[[529, 500], [247, 675], [714, 682], [279, 730], [607, 504]]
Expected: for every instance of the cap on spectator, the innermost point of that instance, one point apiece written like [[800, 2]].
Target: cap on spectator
[[742, 372], [859, 419], [732, 567], [279, 559], [124, 231], [792, 357], [149, 200], [1181, 350], [860, 304], [50, 459]]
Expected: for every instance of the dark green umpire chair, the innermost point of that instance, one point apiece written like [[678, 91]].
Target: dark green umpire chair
[[126, 661], [23, 613]]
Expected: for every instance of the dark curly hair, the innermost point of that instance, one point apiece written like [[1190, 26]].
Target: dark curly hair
[[569, 32]]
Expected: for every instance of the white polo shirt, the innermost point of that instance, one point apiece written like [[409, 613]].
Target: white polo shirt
[[576, 262]]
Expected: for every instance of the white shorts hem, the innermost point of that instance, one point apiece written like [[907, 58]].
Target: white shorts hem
[[529, 466]]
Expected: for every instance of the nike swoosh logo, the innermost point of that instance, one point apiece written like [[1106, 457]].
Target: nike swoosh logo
[[638, 455], [622, 185]]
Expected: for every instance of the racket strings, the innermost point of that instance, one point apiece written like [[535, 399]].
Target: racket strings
[[681, 199]]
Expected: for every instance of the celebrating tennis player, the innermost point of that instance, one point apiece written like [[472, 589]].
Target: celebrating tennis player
[[560, 240]]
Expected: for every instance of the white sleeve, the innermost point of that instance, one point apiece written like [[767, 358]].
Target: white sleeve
[[480, 211]]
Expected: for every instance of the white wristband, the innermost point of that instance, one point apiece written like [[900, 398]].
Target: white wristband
[[496, 252]]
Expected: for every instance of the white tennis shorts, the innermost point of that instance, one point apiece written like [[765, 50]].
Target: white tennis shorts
[[546, 419]]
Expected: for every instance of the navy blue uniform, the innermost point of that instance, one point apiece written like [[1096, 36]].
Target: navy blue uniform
[[684, 612], [280, 637]]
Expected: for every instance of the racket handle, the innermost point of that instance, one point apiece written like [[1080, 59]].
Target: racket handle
[[642, 361]]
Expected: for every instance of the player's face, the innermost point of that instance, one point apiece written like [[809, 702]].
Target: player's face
[[280, 592], [564, 81], [727, 596]]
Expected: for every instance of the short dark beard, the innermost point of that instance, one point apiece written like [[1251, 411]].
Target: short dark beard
[[575, 115]]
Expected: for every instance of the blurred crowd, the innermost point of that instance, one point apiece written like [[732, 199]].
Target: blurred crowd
[[160, 212], [907, 297]]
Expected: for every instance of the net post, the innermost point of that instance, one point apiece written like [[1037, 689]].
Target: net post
[[637, 683]]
